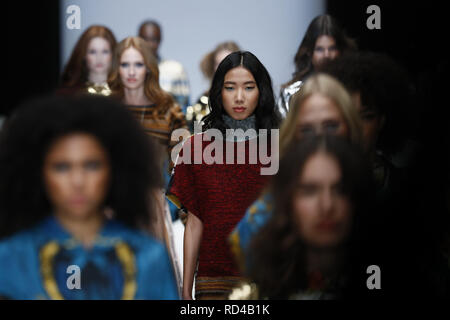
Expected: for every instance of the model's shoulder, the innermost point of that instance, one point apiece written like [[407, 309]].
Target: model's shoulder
[[150, 252], [141, 241], [19, 276], [18, 242], [10, 244]]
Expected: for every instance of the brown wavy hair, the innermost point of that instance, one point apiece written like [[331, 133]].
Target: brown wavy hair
[[152, 89], [207, 63], [76, 72], [277, 253], [319, 26]]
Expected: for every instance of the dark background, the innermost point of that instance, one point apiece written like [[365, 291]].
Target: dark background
[[416, 228], [411, 32], [32, 50], [414, 34]]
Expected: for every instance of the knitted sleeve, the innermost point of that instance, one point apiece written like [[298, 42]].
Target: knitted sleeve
[[182, 186]]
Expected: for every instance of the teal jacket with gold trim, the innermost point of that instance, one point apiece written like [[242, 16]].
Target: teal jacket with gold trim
[[46, 262]]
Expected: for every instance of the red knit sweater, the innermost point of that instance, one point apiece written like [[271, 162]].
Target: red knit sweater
[[219, 195]]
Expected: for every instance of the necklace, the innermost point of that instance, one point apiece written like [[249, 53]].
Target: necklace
[[98, 88]]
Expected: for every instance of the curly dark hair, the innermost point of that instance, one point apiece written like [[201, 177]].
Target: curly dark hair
[[319, 26], [383, 86], [31, 130], [266, 116], [278, 247]]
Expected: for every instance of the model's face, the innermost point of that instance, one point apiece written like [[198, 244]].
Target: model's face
[[152, 35], [76, 173], [321, 211], [325, 49], [240, 93], [320, 115], [98, 56], [220, 55], [372, 123], [132, 69]]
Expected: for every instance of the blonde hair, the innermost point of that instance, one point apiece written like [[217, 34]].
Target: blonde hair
[[152, 90], [331, 88]]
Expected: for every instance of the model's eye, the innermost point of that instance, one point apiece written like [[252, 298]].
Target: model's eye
[[332, 48], [319, 49], [228, 88], [306, 130], [60, 166], [139, 64], [92, 165], [106, 52], [249, 88], [124, 64], [92, 51], [330, 126], [307, 189]]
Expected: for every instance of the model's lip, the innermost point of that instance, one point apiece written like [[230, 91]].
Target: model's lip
[[131, 79], [99, 65], [79, 200], [327, 225], [239, 109]]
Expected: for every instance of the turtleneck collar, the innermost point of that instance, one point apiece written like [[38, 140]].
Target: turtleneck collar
[[247, 123]]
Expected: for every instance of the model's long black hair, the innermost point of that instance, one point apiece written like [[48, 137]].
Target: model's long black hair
[[277, 262], [30, 132], [266, 117]]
